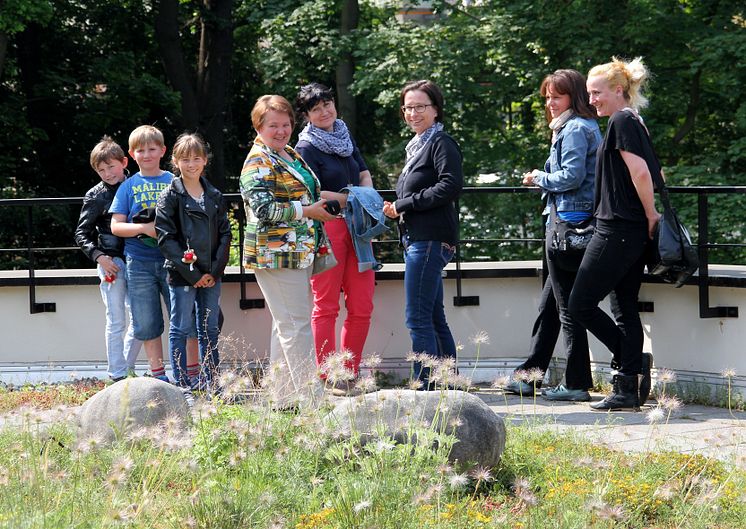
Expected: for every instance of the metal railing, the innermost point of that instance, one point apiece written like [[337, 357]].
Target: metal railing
[[703, 243]]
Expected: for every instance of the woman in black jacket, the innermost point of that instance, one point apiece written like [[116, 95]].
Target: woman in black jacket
[[426, 191]]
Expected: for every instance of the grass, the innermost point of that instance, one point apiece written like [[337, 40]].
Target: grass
[[45, 397], [246, 466]]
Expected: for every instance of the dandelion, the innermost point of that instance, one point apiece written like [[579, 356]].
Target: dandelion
[[655, 415], [361, 506], [480, 338]]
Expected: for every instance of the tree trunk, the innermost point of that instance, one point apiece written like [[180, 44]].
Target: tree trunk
[[346, 66], [216, 48], [3, 50], [178, 72]]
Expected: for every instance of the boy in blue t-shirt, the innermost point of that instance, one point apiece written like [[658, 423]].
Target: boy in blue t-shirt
[[133, 218]]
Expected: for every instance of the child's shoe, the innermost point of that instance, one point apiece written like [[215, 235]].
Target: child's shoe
[[162, 378]]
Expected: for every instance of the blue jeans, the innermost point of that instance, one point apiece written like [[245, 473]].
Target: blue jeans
[[121, 345], [425, 315], [186, 301], [146, 284]]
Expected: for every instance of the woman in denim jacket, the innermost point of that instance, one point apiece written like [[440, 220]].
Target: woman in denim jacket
[[567, 183]]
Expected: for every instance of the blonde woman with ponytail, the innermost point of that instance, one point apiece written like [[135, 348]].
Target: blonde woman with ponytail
[[626, 220]]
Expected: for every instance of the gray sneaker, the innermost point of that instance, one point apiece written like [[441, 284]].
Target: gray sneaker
[[563, 393]]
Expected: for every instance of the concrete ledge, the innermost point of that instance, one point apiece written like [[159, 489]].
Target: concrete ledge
[[719, 275]]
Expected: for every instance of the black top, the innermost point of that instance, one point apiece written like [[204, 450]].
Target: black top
[[93, 233], [616, 197], [426, 193], [181, 223], [333, 171]]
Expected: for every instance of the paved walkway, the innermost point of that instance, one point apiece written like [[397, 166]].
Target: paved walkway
[[713, 432]]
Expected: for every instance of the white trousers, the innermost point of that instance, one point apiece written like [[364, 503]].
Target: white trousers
[[292, 378]]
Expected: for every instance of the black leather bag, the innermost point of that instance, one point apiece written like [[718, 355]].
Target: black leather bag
[[673, 257]]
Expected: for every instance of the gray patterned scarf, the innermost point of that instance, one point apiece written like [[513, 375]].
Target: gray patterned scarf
[[336, 142], [418, 143]]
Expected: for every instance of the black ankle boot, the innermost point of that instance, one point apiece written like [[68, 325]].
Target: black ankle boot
[[624, 395], [646, 381]]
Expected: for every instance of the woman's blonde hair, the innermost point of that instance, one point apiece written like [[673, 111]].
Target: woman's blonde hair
[[631, 76], [188, 144]]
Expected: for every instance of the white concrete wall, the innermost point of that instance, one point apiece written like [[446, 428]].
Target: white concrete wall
[[674, 333]]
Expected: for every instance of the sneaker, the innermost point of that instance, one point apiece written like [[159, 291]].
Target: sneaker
[[345, 388], [117, 379], [197, 384], [646, 380], [162, 378], [519, 387], [563, 393]]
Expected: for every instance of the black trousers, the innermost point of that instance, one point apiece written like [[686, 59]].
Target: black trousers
[[613, 265]]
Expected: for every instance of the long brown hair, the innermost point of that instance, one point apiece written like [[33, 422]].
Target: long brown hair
[[572, 83]]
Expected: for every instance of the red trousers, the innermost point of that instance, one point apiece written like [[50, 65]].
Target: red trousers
[[358, 295]]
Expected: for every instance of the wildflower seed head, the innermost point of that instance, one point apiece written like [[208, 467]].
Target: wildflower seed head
[[373, 361], [728, 373], [480, 338], [670, 404], [535, 375], [457, 481], [122, 464], [501, 382], [520, 375], [415, 384], [360, 506], [666, 376], [412, 357], [481, 473], [366, 384], [655, 415]]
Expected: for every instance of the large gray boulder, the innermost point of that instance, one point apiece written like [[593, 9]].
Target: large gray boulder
[[131, 404], [480, 432]]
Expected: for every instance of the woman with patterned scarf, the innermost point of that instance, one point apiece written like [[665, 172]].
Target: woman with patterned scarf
[[329, 149], [426, 192]]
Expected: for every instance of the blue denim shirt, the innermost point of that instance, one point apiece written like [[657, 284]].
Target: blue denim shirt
[[568, 179], [365, 221]]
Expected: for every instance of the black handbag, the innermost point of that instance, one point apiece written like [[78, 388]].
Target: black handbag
[[570, 237], [673, 257]]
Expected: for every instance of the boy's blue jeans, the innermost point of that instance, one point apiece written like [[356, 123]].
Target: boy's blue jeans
[[186, 301], [121, 345], [146, 284], [425, 315]]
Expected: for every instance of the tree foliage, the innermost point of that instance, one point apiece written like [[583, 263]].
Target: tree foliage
[[77, 69]]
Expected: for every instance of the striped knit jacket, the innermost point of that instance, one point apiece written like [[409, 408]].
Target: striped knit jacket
[[277, 236]]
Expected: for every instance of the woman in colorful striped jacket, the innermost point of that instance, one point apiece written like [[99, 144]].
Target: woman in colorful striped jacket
[[284, 236]]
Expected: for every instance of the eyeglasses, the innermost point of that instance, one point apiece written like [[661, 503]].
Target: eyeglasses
[[419, 109]]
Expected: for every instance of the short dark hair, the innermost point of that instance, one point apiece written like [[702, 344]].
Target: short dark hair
[[571, 83], [432, 91], [311, 95]]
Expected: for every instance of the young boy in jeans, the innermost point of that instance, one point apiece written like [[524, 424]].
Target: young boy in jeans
[[133, 216], [94, 237]]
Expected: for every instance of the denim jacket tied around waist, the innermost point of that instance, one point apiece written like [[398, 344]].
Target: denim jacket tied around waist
[[365, 221], [569, 174]]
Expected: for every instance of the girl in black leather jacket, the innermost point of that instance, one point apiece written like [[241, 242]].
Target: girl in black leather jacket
[[194, 237]]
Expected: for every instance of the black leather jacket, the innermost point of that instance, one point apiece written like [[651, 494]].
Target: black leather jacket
[[93, 233], [181, 223]]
